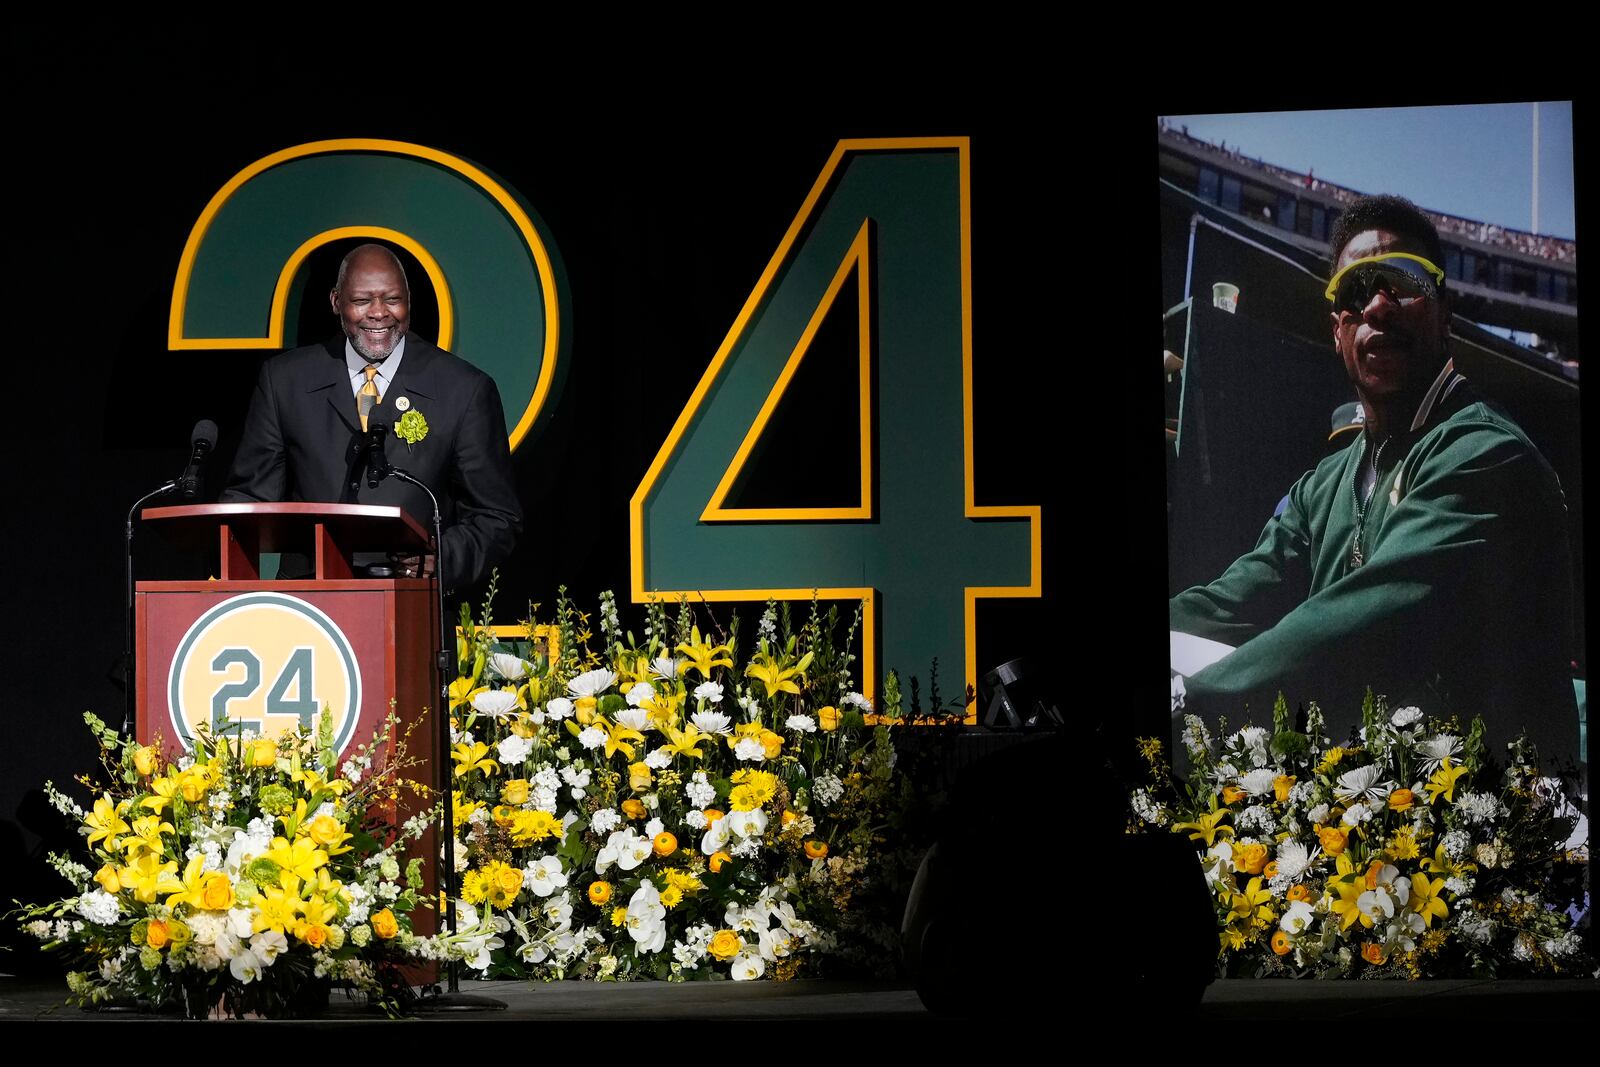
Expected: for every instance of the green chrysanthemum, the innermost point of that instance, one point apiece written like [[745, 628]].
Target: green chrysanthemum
[[412, 427]]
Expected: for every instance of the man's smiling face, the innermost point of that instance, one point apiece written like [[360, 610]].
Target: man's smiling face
[[373, 304], [1390, 350]]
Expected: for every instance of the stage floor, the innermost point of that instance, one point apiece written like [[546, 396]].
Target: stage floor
[[834, 1002]]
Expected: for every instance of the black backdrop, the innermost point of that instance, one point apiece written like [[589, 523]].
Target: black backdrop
[[666, 191]]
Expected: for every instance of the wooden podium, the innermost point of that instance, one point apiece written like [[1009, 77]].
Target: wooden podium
[[272, 653]]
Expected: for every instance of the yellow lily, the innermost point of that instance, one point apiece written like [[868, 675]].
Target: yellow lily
[[631, 670], [105, 821], [775, 677], [146, 836], [1207, 828], [687, 742], [1443, 782], [313, 783], [664, 708], [1349, 884], [148, 877], [300, 859], [279, 907], [1254, 905], [165, 789], [1444, 867], [463, 689], [617, 738], [703, 655], [473, 757], [190, 891], [1425, 899]]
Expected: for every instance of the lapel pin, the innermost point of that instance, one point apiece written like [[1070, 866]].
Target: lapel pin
[[402, 403]]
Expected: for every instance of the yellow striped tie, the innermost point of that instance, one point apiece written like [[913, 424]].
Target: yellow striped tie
[[368, 398]]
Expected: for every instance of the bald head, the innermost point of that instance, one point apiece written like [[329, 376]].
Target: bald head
[[373, 301]]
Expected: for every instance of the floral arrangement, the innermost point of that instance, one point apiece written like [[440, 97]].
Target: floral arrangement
[[243, 878], [674, 809], [1405, 853]]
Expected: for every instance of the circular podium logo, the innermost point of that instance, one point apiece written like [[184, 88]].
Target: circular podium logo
[[265, 662]]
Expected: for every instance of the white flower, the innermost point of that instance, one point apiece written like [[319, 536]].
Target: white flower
[[604, 821], [827, 789], [558, 911], [494, 703], [639, 692], [1479, 808], [1404, 717], [658, 760], [711, 691], [695, 820], [514, 749], [543, 876], [746, 823], [803, 724], [1218, 862], [1435, 750], [634, 718], [1362, 781], [715, 837], [1258, 783], [1294, 860], [712, 722], [775, 944], [646, 920], [591, 683], [245, 967], [1196, 738], [747, 967], [699, 790], [592, 737], [558, 708], [99, 907], [507, 666], [1144, 805], [1319, 814], [653, 828], [665, 667], [1257, 819], [1297, 918], [750, 748], [858, 700], [267, 945], [632, 849]]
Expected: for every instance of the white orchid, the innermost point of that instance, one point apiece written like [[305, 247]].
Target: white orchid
[[747, 967], [1297, 918], [716, 837], [646, 920], [543, 876], [746, 823]]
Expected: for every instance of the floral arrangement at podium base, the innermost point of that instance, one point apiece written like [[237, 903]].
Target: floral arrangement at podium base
[[1407, 852], [244, 878]]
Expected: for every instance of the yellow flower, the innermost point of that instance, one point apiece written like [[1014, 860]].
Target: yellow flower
[[146, 759], [712, 815], [639, 777], [664, 844], [703, 656], [816, 850], [1403, 845], [1232, 794], [329, 832], [717, 861], [1425, 898], [686, 742], [1330, 760], [771, 744], [502, 883], [1401, 800], [463, 689], [1207, 828], [155, 934], [1443, 782], [194, 783], [828, 718], [164, 789], [216, 891], [514, 792], [633, 808], [774, 677], [671, 897], [105, 821], [1281, 786], [190, 888], [385, 925], [1372, 952], [279, 906], [1333, 839], [1348, 887], [1254, 905], [617, 737], [473, 757], [1301, 891], [301, 859], [263, 752], [725, 944], [619, 916], [682, 881], [530, 826], [148, 877], [107, 877], [599, 893], [474, 888], [1441, 864], [752, 789], [146, 836], [1281, 944], [1250, 859]]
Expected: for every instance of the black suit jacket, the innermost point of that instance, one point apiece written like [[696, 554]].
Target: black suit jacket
[[301, 441]]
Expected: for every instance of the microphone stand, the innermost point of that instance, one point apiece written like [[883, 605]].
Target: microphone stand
[[130, 701], [453, 999]]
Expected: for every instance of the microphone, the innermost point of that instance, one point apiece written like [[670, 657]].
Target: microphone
[[201, 440], [377, 463]]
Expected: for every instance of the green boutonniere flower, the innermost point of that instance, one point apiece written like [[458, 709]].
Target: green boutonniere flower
[[411, 428]]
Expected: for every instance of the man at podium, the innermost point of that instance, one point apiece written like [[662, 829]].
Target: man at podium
[[318, 412]]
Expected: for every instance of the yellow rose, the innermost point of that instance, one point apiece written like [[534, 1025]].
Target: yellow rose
[[1249, 859], [816, 849], [1281, 943], [639, 777], [313, 934], [1281, 786], [665, 844], [385, 925], [1333, 839], [1232, 794], [1372, 953], [584, 709], [146, 759], [263, 753], [108, 879], [508, 879], [771, 744], [828, 718], [1302, 892], [717, 861], [725, 944], [633, 808], [155, 935], [326, 830], [514, 792], [599, 893], [1401, 800], [216, 892]]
